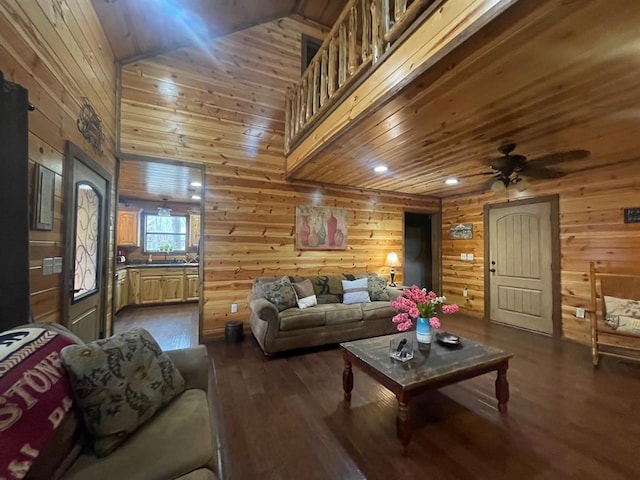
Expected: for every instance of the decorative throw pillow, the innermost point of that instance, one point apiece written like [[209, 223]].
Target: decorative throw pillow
[[377, 288], [304, 289], [310, 301], [280, 292], [617, 307], [355, 291], [119, 383]]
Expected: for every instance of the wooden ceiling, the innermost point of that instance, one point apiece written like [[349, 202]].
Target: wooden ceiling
[[548, 75], [156, 181], [140, 28]]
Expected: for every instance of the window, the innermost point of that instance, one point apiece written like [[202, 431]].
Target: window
[[165, 234], [310, 47]]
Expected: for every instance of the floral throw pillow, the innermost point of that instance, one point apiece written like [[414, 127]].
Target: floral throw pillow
[[119, 383], [620, 307], [377, 288], [280, 292]]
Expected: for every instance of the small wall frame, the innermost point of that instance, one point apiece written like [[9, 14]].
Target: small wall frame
[[43, 198], [461, 231]]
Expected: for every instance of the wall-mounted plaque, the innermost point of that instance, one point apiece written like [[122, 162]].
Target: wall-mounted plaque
[[632, 215], [44, 197], [461, 231]]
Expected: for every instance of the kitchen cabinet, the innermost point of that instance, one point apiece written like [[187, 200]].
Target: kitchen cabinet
[[156, 285], [122, 290], [194, 229], [128, 227], [192, 285]]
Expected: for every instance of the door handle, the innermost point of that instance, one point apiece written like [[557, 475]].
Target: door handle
[[492, 270]]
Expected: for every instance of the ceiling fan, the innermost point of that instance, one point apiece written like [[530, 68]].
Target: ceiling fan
[[510, 168]]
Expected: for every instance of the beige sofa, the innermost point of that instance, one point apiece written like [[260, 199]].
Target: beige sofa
[[178, 442], [329, 322]]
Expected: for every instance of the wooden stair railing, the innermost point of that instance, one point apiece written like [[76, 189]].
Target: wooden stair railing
[[363, 32]]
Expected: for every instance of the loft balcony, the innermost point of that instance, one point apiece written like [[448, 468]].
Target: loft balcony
[[374, 62]]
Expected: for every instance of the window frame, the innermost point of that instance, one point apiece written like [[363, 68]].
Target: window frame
[[144, 234]]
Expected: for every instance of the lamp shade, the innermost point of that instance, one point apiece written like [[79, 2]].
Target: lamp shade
[[392, 260]]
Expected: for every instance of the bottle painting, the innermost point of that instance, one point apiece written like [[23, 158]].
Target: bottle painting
[[332, 225], [322, 232], [304, 233]]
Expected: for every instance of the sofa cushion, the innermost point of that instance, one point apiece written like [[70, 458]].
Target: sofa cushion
[[304, 289], [376, 310], [343, 314], [119, 383], [355, 291], [328, 298], [200, 474], [178, 440], [280, 292], [377, 287], [327, 284], [295, 319]]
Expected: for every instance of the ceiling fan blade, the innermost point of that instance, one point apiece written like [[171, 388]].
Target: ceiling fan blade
[[559, 157], [536, 171]]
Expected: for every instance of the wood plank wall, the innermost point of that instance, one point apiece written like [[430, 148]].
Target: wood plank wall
[[592, 228], [224, 107], [57, 50]]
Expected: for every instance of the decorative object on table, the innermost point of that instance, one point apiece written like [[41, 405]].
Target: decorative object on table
[[392, 261], [321, 228], [416, 303], [461, 231], [448, 339], [401, 349]]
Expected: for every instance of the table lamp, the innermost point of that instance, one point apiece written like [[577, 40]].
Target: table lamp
[[392, 261]]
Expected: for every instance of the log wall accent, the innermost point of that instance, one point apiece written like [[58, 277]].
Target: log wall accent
[[592, 228], [57, 50], [224, 108]]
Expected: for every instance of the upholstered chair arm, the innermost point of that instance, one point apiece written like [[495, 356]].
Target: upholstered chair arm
[[193, 363], [393, 293], [263, 308]]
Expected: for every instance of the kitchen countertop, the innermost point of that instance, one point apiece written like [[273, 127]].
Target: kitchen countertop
[[156, 265]]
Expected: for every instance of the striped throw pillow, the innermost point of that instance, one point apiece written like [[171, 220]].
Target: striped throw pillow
[[355, 291]]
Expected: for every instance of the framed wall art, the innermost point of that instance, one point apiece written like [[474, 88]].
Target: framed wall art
[[44, 194], [321, 228], [461, 231]]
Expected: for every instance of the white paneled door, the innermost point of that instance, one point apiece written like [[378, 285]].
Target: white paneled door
[[520, 247]]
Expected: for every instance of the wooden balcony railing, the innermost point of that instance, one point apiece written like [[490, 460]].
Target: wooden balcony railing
[[363, 32]]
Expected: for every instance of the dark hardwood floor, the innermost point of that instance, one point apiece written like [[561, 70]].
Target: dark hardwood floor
[[173, 326], [284, 418]]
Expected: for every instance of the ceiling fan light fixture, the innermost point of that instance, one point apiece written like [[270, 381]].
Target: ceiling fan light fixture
[[522, 185], [498, 186], [164, 210]]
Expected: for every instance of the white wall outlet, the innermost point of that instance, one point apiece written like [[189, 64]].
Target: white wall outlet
[[469, 256], [463, 256], [234, 308], [465, 293], [57, 264], [580, 312], [47, 266]]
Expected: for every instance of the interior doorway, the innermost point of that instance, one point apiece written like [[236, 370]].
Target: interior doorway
[[522, 271], [421, 264]]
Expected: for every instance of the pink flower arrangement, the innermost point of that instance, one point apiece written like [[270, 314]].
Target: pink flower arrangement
[[416, 302]]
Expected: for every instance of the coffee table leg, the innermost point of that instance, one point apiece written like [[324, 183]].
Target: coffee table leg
[[403, 425], [347, 380], [502, 387]]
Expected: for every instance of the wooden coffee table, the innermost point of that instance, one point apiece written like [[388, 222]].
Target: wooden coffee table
[[436, 368]]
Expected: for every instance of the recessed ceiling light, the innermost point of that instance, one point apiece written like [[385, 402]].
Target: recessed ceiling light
[[195, 197], [451, 181], [380, 169], [196, 184]]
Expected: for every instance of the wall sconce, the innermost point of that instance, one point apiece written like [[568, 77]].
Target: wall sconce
[[392, 261]]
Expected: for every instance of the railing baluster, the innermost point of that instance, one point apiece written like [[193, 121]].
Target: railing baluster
[[400, 6], [287, 120], [316, 86], [342, 55], [385, 22], [353, 32], [310, 91], [375, 30], [366, 30], [323, 77], [331, 80]]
